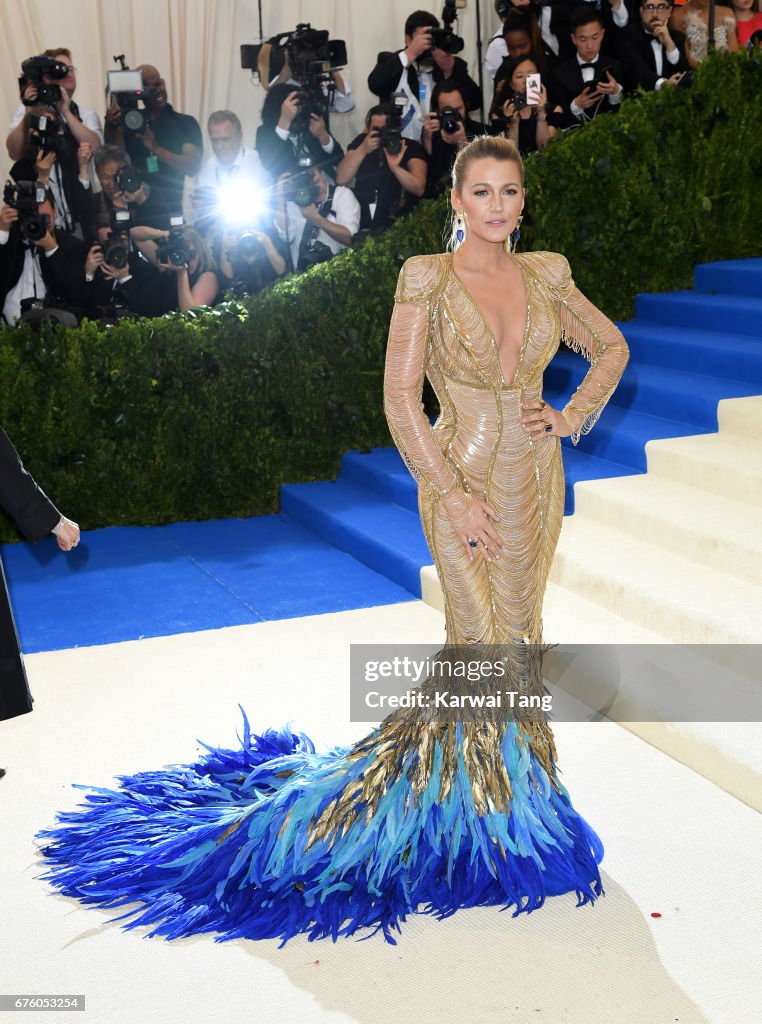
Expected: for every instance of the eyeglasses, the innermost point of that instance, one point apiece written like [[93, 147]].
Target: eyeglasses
[[656, 7]]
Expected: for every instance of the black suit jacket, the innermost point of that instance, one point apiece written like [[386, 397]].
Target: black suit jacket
[[63, 272], [385, 76], [635, 51], [36, 516], [567, 82], [278, 156]]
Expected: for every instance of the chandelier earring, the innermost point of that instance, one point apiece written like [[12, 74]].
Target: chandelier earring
[[458, 229], [513, 239]]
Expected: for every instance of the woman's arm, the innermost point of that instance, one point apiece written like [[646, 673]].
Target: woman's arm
[[585, 329], [203, 292]]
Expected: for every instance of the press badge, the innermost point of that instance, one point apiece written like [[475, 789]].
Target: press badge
[[152, 164]]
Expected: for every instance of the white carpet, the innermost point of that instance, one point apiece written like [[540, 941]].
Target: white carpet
[[675, 843]]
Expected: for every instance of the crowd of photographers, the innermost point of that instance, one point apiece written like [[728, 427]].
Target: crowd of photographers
[[91, 221]]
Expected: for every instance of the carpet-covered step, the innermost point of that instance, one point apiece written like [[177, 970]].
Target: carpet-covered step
[[730, 277], [735, 357], [708, 528], [688, 397], [734, 314], [383, 471], [724, 464], [620, 435], [741, 417], [684, 601], [377, 532]]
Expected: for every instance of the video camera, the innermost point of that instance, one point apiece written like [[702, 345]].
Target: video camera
[[26, 196], [310, 55], [116, 252], [33, 70], [128, 90], [444, 38], [174, 250]]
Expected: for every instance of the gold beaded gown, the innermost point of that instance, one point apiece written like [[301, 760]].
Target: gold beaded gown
[[429, 812]]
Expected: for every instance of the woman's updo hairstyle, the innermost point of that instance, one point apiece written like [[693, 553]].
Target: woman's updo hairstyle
[[495, 147]]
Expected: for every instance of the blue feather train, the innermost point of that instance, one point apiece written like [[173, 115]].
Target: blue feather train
[[221, 845]]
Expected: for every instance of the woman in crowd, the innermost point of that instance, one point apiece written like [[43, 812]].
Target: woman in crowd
[[526, 126], [692, 19]]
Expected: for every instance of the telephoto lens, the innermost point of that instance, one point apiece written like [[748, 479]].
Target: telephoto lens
[[127, 179]]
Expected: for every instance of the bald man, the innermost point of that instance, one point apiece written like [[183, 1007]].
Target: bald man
[[167, 149]]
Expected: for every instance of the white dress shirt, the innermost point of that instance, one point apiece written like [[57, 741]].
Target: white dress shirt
[[345, 210], [246, 167], [30, 283], [588, 74]]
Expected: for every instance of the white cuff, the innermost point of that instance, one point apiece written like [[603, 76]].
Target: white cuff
[[659, 83], [328, 148], [673, 56], [282, 133], [577, 111], [620, 15], [89, 277], [616, 97], [4, 236], [123, 280]]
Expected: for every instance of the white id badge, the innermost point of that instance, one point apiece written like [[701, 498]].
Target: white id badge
[[423, 98]]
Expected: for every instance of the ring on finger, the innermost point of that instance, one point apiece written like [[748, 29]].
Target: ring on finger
[[473, 543]]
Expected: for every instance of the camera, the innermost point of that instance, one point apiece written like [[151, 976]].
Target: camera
[[127, 89], [300, 188], [519, 100], [117, 250], [449, 119], [444, 38], [32, 72], [311, 56], [46, 134], [26, 196], [174, 250], [127, 179]]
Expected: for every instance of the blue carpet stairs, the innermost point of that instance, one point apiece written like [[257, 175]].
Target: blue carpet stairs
[[689, 351]]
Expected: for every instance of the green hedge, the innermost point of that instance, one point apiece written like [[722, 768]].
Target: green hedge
[[204, 415]]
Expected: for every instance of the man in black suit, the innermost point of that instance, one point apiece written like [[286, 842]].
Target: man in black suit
[[415, 71], [37, 516], [52, 266], [286, 135], [652, 53], [589, 83]]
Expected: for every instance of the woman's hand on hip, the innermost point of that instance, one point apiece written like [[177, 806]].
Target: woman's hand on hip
[[473, 520], [539, 419]]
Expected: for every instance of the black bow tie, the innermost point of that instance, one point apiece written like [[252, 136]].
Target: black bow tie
[[583, 66]]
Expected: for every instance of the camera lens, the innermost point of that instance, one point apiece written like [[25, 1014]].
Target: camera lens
[[134, 120]]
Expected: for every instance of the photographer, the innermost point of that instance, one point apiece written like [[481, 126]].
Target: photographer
[[416, 70], [122, 189], [288, 132], [316, 218], [167, 150], [36, 261], [524, 122], [587, 84], [446, 130], [251, 258], [82, 124], [183, 254], [231, 160], [386, 172]]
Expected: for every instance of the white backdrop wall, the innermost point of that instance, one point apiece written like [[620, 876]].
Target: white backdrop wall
[[195, 45]]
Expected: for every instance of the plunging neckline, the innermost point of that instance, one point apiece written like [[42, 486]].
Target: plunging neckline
[[486, 326]]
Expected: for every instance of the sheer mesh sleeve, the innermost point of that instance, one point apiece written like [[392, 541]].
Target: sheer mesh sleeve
[[407, 356], [586, 330]]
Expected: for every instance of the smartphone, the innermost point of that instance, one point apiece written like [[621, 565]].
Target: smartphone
[[533, 86]]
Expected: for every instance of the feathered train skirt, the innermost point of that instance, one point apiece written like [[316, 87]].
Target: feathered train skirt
[[273, 839]]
